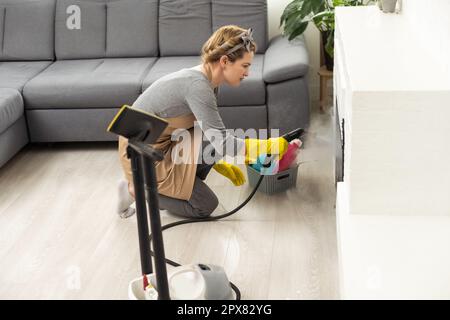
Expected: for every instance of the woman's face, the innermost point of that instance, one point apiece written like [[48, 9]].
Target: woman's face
[[235, 72]]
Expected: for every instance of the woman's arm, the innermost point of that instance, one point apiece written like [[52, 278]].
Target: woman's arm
[[203, 104]]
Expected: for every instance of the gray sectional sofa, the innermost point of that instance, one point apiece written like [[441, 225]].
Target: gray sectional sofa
[[66, 66]]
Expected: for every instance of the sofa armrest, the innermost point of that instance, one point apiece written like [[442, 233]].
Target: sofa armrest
[[285, 60]]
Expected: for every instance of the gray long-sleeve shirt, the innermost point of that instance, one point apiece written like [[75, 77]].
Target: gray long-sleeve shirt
[[189, 91]]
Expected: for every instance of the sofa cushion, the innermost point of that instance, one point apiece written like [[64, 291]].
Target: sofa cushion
[[16, 74], [132, 28], [246, 14], [184, 25], [90, 83], [27, 29], [166, 65], [80, 30], [252, 90], [11, 107], [244, 117], [106, 28]]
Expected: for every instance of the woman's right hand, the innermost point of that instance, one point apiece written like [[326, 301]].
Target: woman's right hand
[[255, 147]]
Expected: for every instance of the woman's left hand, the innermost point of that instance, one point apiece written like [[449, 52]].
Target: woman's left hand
[[230, 171]]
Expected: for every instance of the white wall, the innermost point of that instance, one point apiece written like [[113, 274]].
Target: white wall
[[312, 37]]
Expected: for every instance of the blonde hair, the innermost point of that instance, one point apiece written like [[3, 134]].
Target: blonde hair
[[223, 40]]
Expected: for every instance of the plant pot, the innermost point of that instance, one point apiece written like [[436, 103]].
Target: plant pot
[[329, 60], [388, 5]]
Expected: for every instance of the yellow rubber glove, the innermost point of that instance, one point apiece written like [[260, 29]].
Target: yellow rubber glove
[[230, 171], [255, 147]]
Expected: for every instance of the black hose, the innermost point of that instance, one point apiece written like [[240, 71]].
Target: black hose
[[194, 220]]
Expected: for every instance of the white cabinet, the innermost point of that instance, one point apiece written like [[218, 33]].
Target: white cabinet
[[394, 101], [392, 106]]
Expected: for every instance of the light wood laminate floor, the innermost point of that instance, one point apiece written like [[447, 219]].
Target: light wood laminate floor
[[61, 239]]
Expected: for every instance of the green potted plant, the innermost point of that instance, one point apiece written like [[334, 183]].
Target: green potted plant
[[299, 13]]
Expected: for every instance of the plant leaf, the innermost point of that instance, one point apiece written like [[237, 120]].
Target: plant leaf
[[292, 22], [298, 31], [290, 8], [324, 20], [329, 44], [317, 5]]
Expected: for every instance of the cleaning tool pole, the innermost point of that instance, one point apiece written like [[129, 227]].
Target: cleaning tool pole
[[151, 189], [141, 212]]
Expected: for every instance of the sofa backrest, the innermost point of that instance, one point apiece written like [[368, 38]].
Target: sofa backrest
[[247, 14], [81, 29], [27, 30], [106, 28], [184, 25]]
